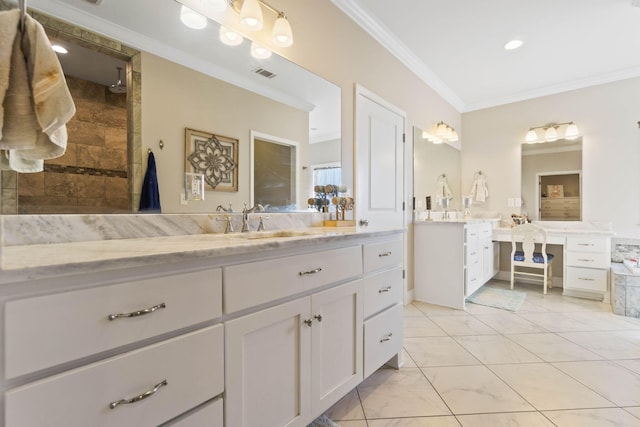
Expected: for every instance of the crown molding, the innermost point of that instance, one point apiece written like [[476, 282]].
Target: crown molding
[[398, 49]]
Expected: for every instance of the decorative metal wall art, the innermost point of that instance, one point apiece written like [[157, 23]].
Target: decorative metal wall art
[[214, 156]]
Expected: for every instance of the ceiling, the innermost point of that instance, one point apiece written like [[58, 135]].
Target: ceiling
[[457, 46]]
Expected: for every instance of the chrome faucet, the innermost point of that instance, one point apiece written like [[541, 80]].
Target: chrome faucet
[[228, 228], [245, 215], [222, 208]]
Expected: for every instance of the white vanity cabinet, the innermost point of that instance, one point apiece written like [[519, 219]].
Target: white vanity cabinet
[[290, 361], [588, 260], [453, 259]]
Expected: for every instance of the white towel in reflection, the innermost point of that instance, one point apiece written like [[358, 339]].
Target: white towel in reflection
[[442, 188], [479, 189]]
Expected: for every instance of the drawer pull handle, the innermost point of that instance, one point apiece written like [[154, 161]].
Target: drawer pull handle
[[585, 244], [318, 317], [585, 260], [314, 271], [472, 253], [386, 337], [384, 254], [140, 397], [138, 313], [586, 278], [309, 322], [383, 290]]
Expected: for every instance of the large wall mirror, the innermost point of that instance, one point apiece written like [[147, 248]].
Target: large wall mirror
[[436, 172], [551, 180], [187, 80]]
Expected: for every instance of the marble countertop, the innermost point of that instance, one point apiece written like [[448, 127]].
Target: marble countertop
[[35, 261]]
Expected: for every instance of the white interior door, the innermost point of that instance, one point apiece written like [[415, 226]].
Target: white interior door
[[379, 161]]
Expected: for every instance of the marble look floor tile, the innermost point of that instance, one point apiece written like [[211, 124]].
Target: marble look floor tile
[[476, 309], [438, 351], [474, 389], [492, 349], [547, 388], [438, 310], [509, 323], [631, 336], [608, 379], [459, 325], [601, 321], [608, 417], [633, 410], [347, 408], [448, 421], [390, 393], [553, 348], [407, 360], [555, 322], [421, 327], [531, 307], [412, 310], [360, 423], [631, 364], [512, 419], [606, 344]]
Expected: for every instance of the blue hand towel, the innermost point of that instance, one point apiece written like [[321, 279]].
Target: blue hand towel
[[150, 195]]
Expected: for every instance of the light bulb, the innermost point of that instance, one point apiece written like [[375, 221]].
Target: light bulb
[[259, 52], [192, 19], [282, 35], [572, 131], [230, 37], [59, 49], [251, 15]]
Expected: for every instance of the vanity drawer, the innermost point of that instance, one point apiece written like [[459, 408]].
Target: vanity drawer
[[254, 283], [382, 255], [589, 259], [589, 244], [588, 279], [473, 278], [382, 290], [471, 233], [382, 338], [48, 330], [192, 365], [485, 231], [472, 253], [210, 415]]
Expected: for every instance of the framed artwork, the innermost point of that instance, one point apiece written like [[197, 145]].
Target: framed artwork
[[555, 191], [214, 156]]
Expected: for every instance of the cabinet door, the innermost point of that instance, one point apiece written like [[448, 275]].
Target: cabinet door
[[487, 260], [267, 367], [336, 356]]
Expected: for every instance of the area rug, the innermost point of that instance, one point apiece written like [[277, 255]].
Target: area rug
[[498, 298]]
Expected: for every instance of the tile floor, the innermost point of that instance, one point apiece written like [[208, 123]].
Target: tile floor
[[558, 361]]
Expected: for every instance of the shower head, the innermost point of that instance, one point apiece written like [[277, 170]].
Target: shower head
[[119, 87]]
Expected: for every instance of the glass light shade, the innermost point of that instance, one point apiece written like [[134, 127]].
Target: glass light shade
[[260, 52], [572, 131], [282, 35], [532, 137], [192, 19], [251, 15], [437, 140], [448, 133], [454, 135], [551, 134], [441, 130], [217, 5], [425, 135], [59, 49], [230, 37]]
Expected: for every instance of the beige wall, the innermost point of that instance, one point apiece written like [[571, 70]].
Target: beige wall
[[175, 97], [607, 117]]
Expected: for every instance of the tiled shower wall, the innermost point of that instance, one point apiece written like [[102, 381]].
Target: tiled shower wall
[[91, 177]]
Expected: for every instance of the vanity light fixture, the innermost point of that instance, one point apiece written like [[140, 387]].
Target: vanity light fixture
[[251, 15], [443, 132], [551, 133], [259, 51], [252, 19], [230, 37], [192, 19]]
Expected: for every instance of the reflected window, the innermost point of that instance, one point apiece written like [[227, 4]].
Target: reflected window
[[274, 174]]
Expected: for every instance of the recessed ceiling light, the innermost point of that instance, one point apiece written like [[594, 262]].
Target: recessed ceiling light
[[513, 44], [59, 49]]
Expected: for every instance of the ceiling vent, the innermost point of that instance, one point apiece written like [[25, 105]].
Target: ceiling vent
[[264, 73]]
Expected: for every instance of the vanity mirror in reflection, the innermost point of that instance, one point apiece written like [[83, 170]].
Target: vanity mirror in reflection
[[436, 173], [187, 79], [551, 180]]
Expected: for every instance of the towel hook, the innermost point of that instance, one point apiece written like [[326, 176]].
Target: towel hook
[[22, 4]]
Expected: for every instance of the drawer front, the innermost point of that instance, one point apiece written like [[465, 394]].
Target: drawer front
[[471, 233], [588, 279], [209, 415], [192, 365], [382, 338], [473, 278], [382, 290], [589, 259], [472, 253], [589, 244], [485, 231], [77, 323], [382, 255], [251, 284]]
